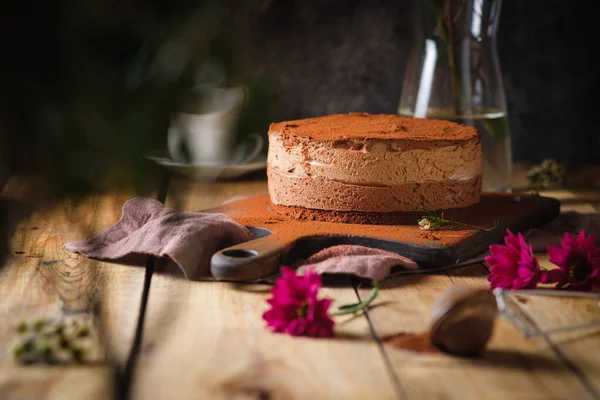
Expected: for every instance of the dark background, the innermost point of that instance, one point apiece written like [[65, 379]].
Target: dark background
[[334, 56], [89, 85]]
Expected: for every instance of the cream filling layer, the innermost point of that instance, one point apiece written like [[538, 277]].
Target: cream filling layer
[[376, 164]]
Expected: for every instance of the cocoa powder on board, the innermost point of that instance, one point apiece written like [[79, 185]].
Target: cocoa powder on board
[[256, 211]]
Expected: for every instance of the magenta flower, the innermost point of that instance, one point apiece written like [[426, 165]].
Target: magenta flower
[[578, 259], [295, 308], [513, 266]]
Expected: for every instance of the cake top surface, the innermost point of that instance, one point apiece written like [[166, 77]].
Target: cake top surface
[[373, 126]]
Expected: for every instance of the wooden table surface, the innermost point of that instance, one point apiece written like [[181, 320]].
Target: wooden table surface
[[162, 337]]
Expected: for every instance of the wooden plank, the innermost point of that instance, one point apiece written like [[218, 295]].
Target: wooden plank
[[41, 279], [208, 339], [576, 346], [195, 196], [571, 200], [513, 367], [56, 383]]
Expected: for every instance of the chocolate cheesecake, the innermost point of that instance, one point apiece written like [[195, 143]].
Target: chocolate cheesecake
[[369, 168]]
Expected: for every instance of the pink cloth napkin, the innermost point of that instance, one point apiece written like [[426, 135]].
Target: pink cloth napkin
[[148, 227], [365, 262], [190, 239]]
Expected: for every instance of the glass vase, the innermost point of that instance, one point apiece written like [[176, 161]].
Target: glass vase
[[453, 73]]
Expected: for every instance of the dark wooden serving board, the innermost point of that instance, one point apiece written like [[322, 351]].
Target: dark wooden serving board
[[279, 239]]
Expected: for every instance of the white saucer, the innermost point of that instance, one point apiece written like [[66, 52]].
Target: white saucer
[[209, 172]]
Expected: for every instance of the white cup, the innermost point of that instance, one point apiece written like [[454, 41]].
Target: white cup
[[202, 132]]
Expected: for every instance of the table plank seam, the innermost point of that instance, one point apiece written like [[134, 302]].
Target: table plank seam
[[572, 367], [123, 386], [396, 384]]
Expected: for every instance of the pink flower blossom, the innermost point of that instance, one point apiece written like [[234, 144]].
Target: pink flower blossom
[[513, 266], [578, 259], [295, 308]]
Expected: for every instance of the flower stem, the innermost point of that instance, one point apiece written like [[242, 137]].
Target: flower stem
[[477, 227], [356, 307], [432, 222]]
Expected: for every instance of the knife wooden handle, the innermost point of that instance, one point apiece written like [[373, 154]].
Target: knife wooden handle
[[249, 260]]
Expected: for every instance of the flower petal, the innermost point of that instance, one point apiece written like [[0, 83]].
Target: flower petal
[[514, 265], [552, 276], [295, 307]]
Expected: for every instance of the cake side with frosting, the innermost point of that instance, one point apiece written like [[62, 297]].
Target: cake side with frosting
[[373, 163]]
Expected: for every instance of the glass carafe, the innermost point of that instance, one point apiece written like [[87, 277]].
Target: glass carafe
[[453, 73]]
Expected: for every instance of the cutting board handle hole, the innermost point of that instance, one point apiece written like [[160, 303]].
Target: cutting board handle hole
[[240, 253]]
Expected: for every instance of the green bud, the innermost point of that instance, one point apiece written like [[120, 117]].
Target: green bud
[[17, 350], [64, 343], [21, 326], [77, 353], [28, 345], [47, 352], [59, 329], [82, 332], [38, 324]]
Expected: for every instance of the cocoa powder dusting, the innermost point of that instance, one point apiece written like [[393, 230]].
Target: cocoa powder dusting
[[338, 127], [429, 235], [418, 342]]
